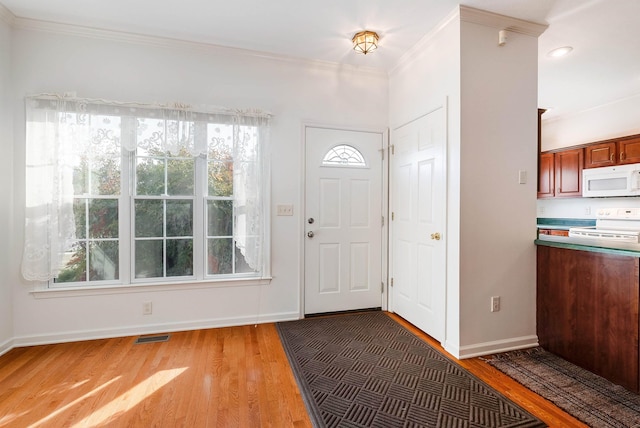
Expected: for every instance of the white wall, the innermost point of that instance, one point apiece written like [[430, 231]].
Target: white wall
[[613, 120], [429, 74], [6, 189], [497, 214], [145, 70], [492, 133]]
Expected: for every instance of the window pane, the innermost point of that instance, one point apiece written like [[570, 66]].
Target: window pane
[[179, 257], [148, 218], [105, 176], [179, 218], [103, 261], [219, 256], [74, 265], [150, 176], [149, 259], [80, 217], [103, 218], [105, 153], [81, 176], [180, 178], [241, 263], [220, 218], [220, 178]]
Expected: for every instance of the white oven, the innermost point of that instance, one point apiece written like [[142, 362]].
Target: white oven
[[621, 225], [621, 180]]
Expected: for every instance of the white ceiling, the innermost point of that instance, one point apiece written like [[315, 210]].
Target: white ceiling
[[605, 34]]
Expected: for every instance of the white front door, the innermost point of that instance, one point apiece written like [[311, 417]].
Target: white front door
[[343, 220], [418, 205]]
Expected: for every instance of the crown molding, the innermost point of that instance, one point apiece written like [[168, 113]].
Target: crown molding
[[6, 15], [166, 42], [414, 52], [476, 16], [501, 22]]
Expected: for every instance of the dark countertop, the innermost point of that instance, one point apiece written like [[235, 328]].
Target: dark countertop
[[582, 244], [593, 245]]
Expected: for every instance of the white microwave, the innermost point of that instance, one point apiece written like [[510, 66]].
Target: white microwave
[[621, 180]]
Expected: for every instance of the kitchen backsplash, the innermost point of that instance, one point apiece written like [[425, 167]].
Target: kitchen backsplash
[[581, 207]]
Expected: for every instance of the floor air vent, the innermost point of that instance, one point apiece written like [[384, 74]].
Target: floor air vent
[[152, 339]]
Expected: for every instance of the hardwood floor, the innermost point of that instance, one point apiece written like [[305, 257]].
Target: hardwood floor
[[227, 377]]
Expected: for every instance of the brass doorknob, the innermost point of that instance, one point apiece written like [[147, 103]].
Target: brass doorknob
[[435, 236]]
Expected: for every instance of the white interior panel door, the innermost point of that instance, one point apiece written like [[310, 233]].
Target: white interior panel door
[[343, 220], [418, 204]]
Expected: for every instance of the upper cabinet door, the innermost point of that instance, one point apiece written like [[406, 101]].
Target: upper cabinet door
[[545, 176], [629, 151], [568, 177], [598, 155]]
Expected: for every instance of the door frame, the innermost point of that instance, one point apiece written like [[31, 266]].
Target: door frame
[[385, 206]]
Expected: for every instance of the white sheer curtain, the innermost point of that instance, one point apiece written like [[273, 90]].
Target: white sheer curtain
[[49, 223], [250, 170], [57, 127]]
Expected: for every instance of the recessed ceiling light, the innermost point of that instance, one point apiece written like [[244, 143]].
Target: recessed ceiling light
[[557, 53]]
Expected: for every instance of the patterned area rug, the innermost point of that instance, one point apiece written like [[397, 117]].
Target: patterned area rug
[[366, 370], [584, 395]]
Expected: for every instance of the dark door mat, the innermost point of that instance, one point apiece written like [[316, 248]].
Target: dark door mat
[[366, 370]]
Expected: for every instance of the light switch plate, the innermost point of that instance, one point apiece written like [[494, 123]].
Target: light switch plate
[[285, 209], [522, 177]]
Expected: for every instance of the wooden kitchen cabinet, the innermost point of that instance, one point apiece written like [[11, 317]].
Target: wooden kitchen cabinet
[[609, 153], [587, 311], [597, 155], [629, 151], [545, 176], [561, 174]]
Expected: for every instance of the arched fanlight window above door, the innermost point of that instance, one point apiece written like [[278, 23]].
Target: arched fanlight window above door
[[344, 155]]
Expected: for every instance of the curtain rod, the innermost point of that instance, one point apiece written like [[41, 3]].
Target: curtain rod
[[71, 96]]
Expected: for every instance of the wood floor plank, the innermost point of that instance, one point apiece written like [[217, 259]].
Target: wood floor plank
[[226, 377]]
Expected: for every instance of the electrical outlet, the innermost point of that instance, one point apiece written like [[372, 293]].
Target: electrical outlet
[[541, 210], [495, 303], [285, 209], [147, 308], [587, 211]]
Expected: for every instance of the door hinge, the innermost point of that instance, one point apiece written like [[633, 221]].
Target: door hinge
[[382, 221], [382, 153], [393, 216], [392, 282], [382, 287], [393, 149]]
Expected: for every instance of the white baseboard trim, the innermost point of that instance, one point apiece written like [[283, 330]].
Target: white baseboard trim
[[79, 335], [6, 346], [495, 347]]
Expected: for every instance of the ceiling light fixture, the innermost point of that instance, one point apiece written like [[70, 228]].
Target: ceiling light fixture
[[559, 52], [365, 42]]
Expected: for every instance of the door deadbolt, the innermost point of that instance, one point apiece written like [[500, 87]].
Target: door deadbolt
[[311, 220]]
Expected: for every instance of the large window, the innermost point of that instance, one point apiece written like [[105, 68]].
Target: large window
[[124, 194]]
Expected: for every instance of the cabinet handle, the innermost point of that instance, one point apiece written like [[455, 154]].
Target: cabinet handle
[[613, 157], [621, 155]]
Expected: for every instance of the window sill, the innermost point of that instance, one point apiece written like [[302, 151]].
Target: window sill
[[49, 293]]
